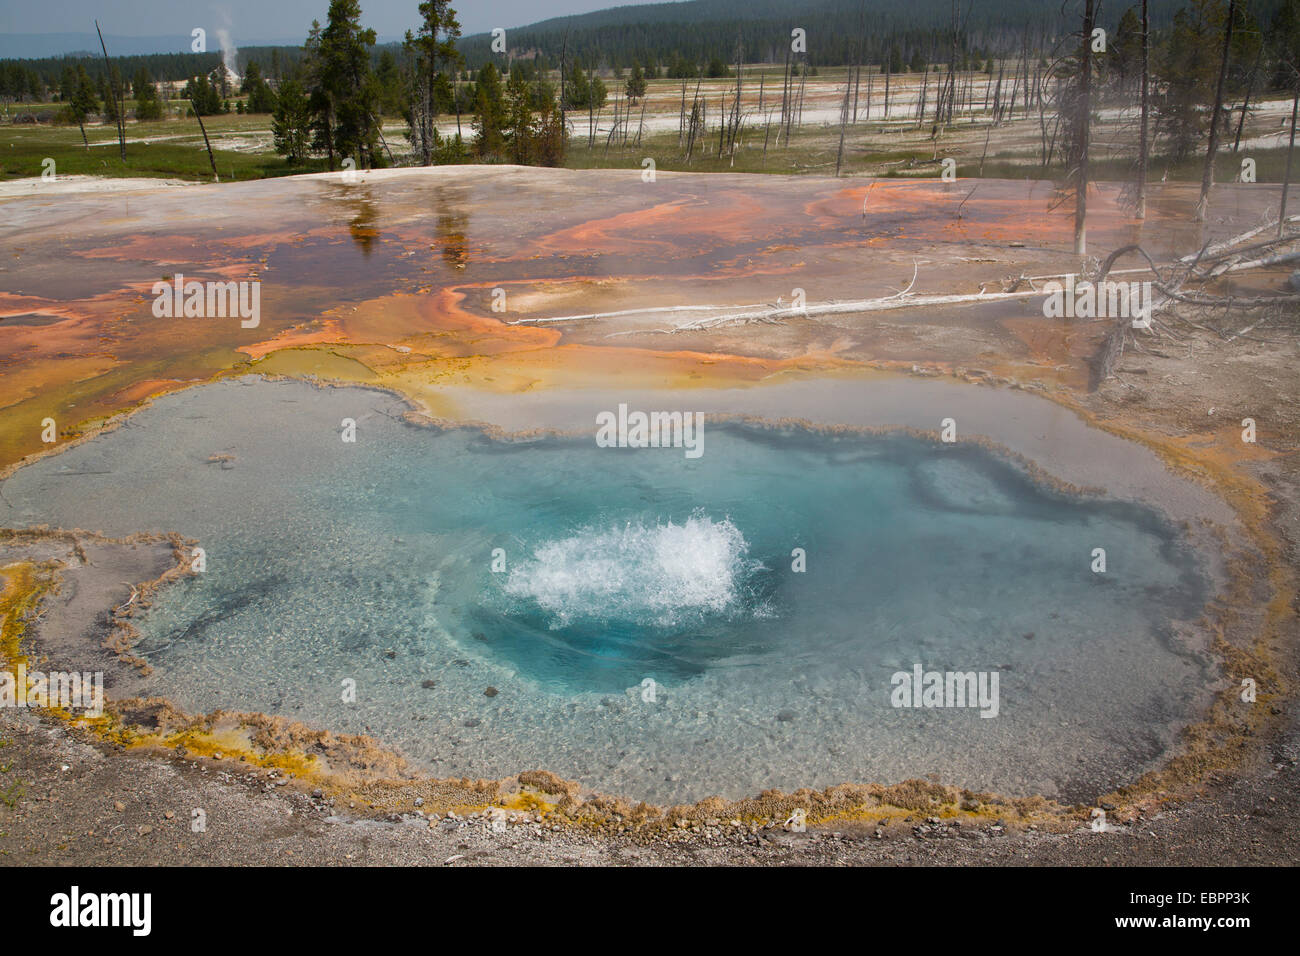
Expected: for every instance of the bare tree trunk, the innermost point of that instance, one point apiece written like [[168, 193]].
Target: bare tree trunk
[[212, 162], [997, 96], [857, 59], [1245, 103], [1084, 128], [1026, 62], [119, 100], [857, 89], [1015, 88], [1144, 144], [695, 132], [785, 99], [1207, 174], [455, 77], [736, 114], [564, 50], [1042, 132], [613, 129], [722, 120], [804, 79], [952, 75], [591, 115], [844, 118], [681, 124], [1290, 151]]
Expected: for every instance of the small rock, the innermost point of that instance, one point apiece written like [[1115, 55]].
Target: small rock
[[490, 692], [119, 806], [169, 815]]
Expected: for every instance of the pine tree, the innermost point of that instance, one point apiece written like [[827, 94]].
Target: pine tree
[[147, 106], [1186, 67], [291, 123], [343, 90], [67, 84], [577, 89], [388, 80], [106, 95], [260, 97], [519, 119], [203, 96], [489, 114], [79, 94], [434, 47], [636, 83], [1125, 59]]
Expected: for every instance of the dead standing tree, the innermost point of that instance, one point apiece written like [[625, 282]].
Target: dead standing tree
[[1144, 128], [1290, 150], [203, 129], [1083, 129], [844, 119], [1207, 173], [119, 98]]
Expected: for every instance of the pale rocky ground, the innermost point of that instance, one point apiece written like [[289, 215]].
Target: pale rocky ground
[[69, 815]]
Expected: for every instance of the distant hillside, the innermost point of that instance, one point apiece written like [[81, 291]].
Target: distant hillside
[[701, 29], [662, 34], [34, 46]]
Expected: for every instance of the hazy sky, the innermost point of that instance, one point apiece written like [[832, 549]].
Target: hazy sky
[[252, 20]]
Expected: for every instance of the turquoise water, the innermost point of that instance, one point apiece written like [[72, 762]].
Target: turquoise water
[[620, 570]]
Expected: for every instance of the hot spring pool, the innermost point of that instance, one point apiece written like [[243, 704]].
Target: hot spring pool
[[634, 619]]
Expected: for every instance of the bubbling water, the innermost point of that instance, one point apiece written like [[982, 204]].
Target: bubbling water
[[665, 574]]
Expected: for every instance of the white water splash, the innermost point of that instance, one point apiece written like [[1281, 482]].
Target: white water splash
[[646, 575]]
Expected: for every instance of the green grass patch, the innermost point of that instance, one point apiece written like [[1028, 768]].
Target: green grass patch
[[170, 149]]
